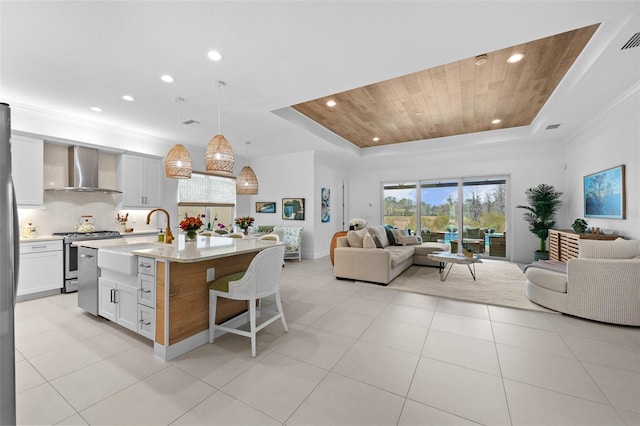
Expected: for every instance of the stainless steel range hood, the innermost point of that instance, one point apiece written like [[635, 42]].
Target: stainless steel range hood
[[83, 171]]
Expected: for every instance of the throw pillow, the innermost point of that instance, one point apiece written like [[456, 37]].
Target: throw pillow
[[617, 249], [367, 242], [410, 240], [377, 241], [380, 232], [355, 238], [390, 237], [397, 234]]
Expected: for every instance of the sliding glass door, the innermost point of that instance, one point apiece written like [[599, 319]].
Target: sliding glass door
[[469, 212]]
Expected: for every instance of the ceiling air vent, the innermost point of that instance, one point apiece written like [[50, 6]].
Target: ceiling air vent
[[552, 126], [191, 122], [634, 41]]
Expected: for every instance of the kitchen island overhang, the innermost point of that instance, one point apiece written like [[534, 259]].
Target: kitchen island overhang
[[182, 272]]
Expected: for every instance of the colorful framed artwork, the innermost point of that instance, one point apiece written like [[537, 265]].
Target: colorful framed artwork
[[265, 206], [604, 194], [325, 202], [293, 208]]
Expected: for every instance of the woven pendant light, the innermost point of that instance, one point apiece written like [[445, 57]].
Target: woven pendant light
[[219, 155], [247, 182], [177, 163]]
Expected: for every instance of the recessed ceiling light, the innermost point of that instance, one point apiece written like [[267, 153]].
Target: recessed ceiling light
[[376, 139], [516, 57], [331, 103], [481, 59], [167, 78], [128, 98], [96, 109], [214, 55], [496, 121]]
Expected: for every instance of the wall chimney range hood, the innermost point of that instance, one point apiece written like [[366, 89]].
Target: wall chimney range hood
[[83, 171]]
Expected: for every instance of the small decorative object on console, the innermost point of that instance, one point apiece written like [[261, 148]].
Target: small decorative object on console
[[579, 226], [357, 223]]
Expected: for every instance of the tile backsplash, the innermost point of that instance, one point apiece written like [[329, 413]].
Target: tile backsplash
[[63, 209]]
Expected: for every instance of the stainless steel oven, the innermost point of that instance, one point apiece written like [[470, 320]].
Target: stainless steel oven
[[71, 254]]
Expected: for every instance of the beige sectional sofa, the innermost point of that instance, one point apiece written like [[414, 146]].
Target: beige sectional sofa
[[358, 256], [602, 284]]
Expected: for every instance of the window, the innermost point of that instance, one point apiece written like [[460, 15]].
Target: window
[[400, 205]]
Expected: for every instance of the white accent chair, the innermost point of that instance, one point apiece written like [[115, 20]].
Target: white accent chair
[[292, 237], [261, 279]]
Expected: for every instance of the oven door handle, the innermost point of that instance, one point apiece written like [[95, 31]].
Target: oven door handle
[[86, 256]]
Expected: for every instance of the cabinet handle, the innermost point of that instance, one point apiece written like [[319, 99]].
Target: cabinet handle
[[144, 265], [38, 247], [144, 323], [86, 256], [111, 296], [142, 290], [115, 296]]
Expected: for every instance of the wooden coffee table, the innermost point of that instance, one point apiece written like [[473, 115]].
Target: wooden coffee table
[[445, 257]]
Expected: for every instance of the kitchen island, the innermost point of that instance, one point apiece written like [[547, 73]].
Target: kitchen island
[[180, 272]]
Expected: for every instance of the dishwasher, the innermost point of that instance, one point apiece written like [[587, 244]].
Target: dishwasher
[[88, 273]]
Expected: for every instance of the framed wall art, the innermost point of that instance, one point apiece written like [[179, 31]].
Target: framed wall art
[[325, 200], [604, 194], [293, 208], [265, 206]]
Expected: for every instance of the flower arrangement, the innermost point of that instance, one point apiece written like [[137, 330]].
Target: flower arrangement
[[191, 224], [244, 222], [357, 223]]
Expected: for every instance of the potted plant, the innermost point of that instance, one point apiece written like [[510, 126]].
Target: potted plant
[[579, 226], [544, 202]]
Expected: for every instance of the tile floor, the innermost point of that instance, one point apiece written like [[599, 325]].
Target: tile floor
[[355, 354]]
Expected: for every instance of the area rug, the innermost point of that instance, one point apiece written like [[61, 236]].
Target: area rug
[[497, 282]]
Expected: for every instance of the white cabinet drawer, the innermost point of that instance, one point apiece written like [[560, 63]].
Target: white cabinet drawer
[[40, 246], [146, 321], [146, 265], [147, 290]]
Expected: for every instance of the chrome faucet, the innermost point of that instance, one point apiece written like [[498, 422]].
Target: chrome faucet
[[168, 236]]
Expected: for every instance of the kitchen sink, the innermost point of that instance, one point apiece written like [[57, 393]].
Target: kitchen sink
[[120, 258]]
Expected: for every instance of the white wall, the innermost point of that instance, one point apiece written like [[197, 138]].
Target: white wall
[[527, 165], [329, 173], [610, 140]]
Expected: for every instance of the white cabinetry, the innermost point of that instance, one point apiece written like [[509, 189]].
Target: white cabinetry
[[146, 296], [41, 267], [27, 167], [117, 298], [140, 180]]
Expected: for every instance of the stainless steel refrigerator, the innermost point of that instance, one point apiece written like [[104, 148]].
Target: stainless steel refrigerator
[[9, 263]]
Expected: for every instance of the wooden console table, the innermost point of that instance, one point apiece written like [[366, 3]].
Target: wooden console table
[[563, 243]]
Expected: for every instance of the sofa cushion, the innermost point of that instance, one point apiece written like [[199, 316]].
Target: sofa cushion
[[377, 241], [397, 233], [616, 249], [550, 280], [410, 240], [399, 254], [355, 237], [381, 233], [427, 248], [367, 242]]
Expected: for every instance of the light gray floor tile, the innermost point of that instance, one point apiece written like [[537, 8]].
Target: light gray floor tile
[[275, 385], [552, 372], [531, 405], [531, 338], [416, 300], [463, 325], [396, 335], [59, 337], [41, 405], [339, 400], [158, 399], [572, 326], [521, 317], [343, 322], [474, 310], [363, 306], [622, 388], [467, 393], [223, 410], [304, 313], [408, 315], [377, 292], [415, 413], [604, 353], [629, 417], [464, 351], [27, 377], [379, 366], [317, 347], [74, 420]]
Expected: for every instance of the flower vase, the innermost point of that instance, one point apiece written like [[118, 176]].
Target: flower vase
[[191, 236], [245, 231]]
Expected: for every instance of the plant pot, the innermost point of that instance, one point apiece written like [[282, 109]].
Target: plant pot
[[540, 255]]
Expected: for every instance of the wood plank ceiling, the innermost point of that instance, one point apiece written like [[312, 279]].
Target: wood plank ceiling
[[452, 99]]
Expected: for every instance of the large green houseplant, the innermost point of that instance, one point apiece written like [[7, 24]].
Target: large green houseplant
[[544, 202]]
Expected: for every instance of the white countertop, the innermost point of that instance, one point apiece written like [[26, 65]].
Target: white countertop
[[40, 238], [204, 248]]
